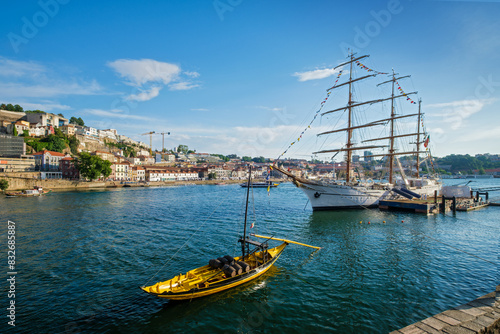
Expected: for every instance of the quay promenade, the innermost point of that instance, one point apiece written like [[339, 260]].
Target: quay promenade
[[481, 315]]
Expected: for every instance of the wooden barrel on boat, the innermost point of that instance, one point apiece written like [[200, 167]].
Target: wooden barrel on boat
[[244, 266], [223, 260], [238, 268], [215, 264], [229, 271], [230, 259]]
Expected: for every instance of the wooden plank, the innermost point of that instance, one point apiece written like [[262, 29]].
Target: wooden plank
[[447, 319], [435, 323]]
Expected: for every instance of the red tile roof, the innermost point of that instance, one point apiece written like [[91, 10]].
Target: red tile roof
[[57, 154]]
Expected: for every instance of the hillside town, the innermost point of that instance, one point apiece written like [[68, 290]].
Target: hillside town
[[133, 161]]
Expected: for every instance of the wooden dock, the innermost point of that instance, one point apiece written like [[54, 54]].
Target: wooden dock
[[473, 207], [418, 206], [434, 205], [478, 316]]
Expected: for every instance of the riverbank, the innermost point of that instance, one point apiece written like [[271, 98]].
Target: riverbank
[[481, 315], [21, 182]]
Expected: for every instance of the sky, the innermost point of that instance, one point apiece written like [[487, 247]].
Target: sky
[[247, 77]]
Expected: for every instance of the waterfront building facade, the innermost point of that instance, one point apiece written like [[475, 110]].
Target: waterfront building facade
[[48, 160], [68, 169]]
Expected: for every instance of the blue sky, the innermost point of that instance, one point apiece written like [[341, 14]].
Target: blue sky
[[246, 77]]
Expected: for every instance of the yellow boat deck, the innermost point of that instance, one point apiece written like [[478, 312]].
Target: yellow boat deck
[[206, 280]]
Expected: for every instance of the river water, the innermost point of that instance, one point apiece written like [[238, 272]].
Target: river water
[[81, 256]]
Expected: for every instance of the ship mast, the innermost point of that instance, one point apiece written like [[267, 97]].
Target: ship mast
[[349, 124], [418, 137], [352, 104], [393, 117], [391, 139]]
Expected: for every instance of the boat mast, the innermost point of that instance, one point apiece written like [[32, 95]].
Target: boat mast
[[393, 117], [243, 243], [349, 124], [391, 138], [418, 138]]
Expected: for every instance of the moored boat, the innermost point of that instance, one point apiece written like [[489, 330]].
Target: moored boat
[[260, 185], [36, 191], [224, 272], [330, 194]]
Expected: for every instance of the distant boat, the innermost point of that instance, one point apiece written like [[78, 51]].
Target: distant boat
[[260, 185], [36, 191], [225, 272]]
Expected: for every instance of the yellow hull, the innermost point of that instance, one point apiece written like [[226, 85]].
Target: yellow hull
[[205, 281]]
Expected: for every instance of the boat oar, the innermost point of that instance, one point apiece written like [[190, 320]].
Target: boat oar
[[285, 240]]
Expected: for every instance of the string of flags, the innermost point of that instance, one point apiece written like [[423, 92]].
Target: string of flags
[[315, 115], [367, 68], [268, 182], [426, 143], [335, 84], [403, 93]]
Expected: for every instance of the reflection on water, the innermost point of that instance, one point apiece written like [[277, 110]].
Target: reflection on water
[[82, 256]]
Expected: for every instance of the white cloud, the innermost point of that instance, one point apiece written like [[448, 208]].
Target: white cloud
[[140, 72], [271, 108], [145, 95], [192, 74], [182, 86], [457, 111], [316, 74], [149, 76], [14, 68], [43, 106], [200, 109], [115, 113], [48, 88]]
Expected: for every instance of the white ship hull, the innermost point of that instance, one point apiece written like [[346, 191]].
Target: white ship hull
[[336, 196]]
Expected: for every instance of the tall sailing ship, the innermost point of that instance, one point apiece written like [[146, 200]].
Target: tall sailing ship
[[356, 193]]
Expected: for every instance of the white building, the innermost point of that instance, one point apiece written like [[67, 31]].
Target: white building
[[47, 119]]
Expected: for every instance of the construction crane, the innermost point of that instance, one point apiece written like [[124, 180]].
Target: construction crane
[[163, 140], [150, 141]]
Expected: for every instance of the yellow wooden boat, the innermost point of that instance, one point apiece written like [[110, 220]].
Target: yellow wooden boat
[[225, 272], [206, 280]]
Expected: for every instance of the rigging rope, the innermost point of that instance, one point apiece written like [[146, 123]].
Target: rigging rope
[[314, 118], [199, 228]]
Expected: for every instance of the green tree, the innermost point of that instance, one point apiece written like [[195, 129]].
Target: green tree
[[54, 143], [245, 158], [61, 115], [14, 131], [212, 176], [10, 107], [182, 149], [26, 133], [73, 144], [59, 133], [221, 156], [76, 121], [4, 184], [92, 166], [259, 159], [481, 171]]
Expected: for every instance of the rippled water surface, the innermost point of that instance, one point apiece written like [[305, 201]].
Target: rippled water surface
[[81, 257]]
